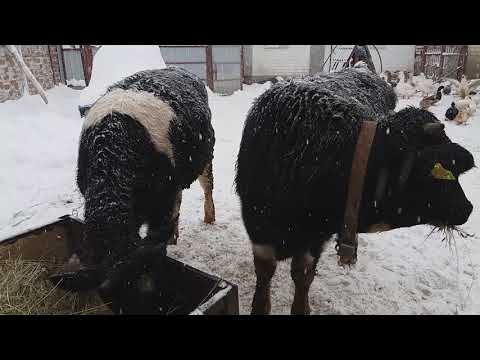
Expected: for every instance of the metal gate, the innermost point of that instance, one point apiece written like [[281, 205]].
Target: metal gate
[[191, 57], [338, 56], [227, 68], [437, 61], [73, 64], [219, 66]]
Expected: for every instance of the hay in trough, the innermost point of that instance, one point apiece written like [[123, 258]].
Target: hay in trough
[[26, 290]]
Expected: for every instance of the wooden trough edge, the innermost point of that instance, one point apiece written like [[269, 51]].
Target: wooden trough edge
[[223, 301]]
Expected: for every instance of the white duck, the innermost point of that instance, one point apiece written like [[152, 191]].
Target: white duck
[[404, 89], [424, 85], [467, 105]]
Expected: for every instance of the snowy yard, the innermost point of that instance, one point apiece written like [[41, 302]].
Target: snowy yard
[[399, 272]]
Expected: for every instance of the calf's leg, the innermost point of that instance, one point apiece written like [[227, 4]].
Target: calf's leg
[[206, 181], [175, 218], [265, 265], [302, 272]]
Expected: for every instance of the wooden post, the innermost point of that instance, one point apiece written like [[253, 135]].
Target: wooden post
[[87, 60], [330, 60], [82, 57], [424, 58], [209, 58], [442, 60], [242, 64], [63, 64], [462, 60]]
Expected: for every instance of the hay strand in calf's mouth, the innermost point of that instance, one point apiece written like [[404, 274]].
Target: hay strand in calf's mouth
[[26, 290], [449, 232]]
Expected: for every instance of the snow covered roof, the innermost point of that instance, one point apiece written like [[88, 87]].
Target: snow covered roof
[[115, 62]]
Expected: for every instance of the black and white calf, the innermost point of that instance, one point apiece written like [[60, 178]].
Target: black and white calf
[[294, 165], [144, 141]]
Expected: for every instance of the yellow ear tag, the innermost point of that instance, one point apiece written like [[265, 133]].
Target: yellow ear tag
[[439, 172]]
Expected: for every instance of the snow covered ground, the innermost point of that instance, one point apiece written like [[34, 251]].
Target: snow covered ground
[[75, 82], [399, 272]]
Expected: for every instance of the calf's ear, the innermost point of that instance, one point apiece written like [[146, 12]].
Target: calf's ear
[[433, 129]]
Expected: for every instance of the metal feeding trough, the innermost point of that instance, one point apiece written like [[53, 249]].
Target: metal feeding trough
[[188, 291]]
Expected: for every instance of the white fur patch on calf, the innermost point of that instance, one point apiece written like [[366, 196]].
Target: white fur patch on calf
[[265, 252], [154, 114]]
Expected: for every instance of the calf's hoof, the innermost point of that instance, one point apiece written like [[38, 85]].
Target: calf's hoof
[[300, 309], [261, 306], [209, 211], [209, 219], [265, 310]]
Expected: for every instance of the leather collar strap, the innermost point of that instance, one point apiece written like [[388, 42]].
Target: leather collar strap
[[348, 238]]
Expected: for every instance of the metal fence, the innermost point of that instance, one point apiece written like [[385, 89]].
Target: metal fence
[[437, 61], [338, 56], [191, 57], [220, 66], [227, 68]]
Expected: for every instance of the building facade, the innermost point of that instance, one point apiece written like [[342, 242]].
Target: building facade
[[50, 64], [264, 62]]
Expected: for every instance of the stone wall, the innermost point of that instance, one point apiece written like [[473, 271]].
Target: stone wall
[[38, 59], [55, 65]]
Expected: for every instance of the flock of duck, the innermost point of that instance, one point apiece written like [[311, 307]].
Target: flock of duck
[[460, 110]]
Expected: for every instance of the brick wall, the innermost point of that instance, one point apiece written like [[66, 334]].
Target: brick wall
[[37, 58], [55, 65]]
